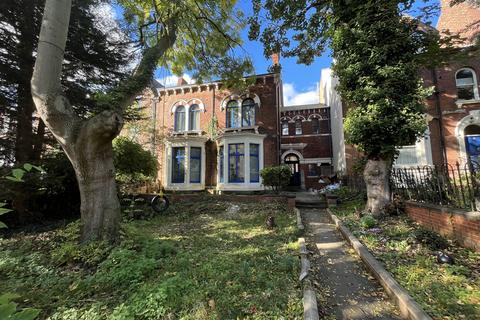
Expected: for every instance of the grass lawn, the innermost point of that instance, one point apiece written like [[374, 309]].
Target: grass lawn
[[199, 261], [444, 291]]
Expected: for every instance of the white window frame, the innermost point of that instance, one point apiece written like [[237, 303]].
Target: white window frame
[[475, 84], [423, 152], [187, 143], [246, 138]]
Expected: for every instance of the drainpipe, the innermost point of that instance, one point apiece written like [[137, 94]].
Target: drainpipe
[[439, 116]]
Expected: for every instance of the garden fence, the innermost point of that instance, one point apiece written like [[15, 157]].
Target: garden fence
[[447, 185]]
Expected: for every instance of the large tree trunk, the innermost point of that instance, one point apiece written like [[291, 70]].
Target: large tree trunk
[[377, 179], [88, 143]]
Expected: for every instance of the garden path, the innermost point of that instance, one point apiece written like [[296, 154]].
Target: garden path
[[343, 283]]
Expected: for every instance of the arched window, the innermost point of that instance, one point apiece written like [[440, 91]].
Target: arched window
[[180, 119], [315, 125], [298, 127], [248, 113], [466, 82], [233, 114], [285, 128], [194, 117]]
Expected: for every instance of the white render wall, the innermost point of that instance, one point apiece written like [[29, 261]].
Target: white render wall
[[330, 97]]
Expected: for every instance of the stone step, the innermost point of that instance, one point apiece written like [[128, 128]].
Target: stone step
[[319, 204]]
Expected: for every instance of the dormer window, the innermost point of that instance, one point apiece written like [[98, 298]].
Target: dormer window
[[466, 81], [179, 125], [194, 118]]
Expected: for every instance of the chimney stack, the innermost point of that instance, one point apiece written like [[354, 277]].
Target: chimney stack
[[181, 81], [275, 59]]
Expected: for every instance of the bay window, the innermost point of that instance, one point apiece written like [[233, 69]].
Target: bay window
[[236, 162], [178, 165], [254, 162], [195, 164]]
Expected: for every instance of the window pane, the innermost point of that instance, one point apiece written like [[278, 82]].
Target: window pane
[[254, 163], [233, 115], [465, 93], [194, 117], [195, 164], [180, 119], [407, 156], [312, 170], [285, 128], [236, 163], [315, 125], [248, 113], [221, 165], [464, 77], [178, 165], [298, 127]]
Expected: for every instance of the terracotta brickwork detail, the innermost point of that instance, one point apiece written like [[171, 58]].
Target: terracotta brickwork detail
[[463, 227]]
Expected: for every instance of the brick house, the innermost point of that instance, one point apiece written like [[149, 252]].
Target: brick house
[[208, 137], [306, 143], [453, 111]]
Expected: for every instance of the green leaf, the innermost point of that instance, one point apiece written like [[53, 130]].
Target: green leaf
[[39, 169], [3, 225], [4, 210], [26, 314], [27, 167], [6, 310], [18, 173], [13, 179], [7, 297]]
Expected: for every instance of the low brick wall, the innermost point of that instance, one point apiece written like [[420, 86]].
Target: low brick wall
[[456, 224], [289, 200]]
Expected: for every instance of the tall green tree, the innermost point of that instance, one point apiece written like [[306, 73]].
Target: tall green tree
[[191, 34], [378, 53], [94, 58]]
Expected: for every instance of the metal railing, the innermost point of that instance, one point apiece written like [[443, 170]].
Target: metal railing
[[448, 185]]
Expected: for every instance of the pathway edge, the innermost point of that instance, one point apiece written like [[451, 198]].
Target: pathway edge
[[310, 307], [409, 308]]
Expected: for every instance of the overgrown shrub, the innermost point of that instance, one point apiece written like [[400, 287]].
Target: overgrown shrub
[[51, 194], [133, 164], [431, 239], [276, 177], [367, 222]]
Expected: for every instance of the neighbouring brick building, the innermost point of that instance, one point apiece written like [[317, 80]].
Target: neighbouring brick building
[[208, 137], [453, 111]]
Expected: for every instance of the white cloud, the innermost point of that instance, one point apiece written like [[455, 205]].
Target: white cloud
[[292, 97], [171, 80]]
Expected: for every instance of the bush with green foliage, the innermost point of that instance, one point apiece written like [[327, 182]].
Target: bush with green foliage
[[367, 222], [8, 309], [133, 164], [276, 177]]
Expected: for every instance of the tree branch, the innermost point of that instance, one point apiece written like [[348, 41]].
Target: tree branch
[[125, 93]]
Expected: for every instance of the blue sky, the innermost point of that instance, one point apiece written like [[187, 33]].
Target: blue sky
[[300, 81]]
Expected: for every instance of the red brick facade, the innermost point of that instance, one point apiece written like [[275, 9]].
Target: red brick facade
[[461, 226], [312, 144]]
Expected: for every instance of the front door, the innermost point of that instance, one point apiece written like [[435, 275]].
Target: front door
[[473, 147], [294, 163]]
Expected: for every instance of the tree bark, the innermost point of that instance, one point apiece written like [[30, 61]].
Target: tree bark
[[87, 143], [377, 179], [25, 105]]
